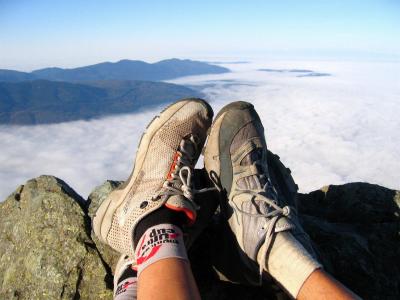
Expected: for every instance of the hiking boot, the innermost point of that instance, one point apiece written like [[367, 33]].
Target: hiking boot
[[166, 155], [236, 160]]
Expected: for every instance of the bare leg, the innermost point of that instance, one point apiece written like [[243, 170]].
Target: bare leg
[[320, 285], [169, 278]]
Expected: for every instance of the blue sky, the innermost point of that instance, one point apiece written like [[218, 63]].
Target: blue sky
[[70, 33]]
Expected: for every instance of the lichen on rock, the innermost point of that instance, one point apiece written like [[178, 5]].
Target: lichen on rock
[[96, 197], [46, 251]]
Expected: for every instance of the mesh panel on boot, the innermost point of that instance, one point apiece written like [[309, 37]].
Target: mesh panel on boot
[[156, 165]]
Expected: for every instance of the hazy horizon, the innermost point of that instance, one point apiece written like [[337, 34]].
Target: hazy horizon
[[273, 56], [45, 33]]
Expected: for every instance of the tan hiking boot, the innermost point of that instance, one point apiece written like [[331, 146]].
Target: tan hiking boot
[[236, 160], [166, 155]]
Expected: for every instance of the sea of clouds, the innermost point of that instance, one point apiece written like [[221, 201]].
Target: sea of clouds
[[327, 129]]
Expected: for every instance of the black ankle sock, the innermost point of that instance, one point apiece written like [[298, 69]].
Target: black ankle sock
[[162, 215], [129, 272]]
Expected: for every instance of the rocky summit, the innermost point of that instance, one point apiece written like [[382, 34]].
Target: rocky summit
[[48, 250]]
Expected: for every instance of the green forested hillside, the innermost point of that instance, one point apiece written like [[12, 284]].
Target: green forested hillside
[[42, 101]]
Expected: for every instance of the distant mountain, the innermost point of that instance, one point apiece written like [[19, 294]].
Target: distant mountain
[[14, 76], [42, 101], [314, 74], [286, 70], [302, 72], [238, 62], [122, 70]]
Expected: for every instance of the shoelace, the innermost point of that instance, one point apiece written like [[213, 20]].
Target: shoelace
[[182, 175], [274, 215]]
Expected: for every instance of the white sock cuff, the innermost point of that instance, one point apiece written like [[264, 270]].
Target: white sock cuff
[[126, 289], [159, 242], [290, 263]]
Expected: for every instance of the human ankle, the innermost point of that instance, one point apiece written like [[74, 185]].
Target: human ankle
[[288, 262], [159, 242]]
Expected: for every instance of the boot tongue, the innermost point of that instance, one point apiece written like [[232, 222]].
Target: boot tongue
[[188, 151], [252, 182], [189, 148], [253, 156]]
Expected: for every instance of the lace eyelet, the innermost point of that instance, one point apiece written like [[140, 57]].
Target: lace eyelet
[[286, 211], [144, 204]]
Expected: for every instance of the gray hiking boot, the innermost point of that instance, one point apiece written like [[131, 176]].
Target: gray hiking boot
[[236, 160]]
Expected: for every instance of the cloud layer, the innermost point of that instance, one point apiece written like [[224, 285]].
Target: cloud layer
[[328, 130]]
